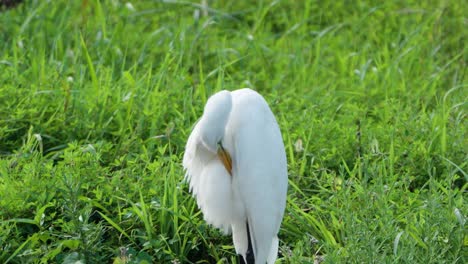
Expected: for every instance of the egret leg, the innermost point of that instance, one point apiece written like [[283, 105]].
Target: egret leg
[[241, 259], [249, 255]]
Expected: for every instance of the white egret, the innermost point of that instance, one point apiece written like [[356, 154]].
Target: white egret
[[236, 167]]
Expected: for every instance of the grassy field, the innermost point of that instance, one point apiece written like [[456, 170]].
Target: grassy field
[[97, 99]]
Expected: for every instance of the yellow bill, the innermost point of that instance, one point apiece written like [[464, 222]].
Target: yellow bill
[[225, 158]]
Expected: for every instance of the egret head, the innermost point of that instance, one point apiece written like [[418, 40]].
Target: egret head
[[214, 119]]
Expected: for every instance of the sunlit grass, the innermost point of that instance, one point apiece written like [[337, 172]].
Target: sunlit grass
[[97, 99]]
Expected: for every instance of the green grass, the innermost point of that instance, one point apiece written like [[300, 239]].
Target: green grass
[[97, 100]]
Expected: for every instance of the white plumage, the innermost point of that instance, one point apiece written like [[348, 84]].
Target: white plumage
[[254, 192]]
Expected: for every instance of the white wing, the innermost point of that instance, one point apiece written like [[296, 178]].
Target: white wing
[[195, 158], [209, 183], [259, 169]]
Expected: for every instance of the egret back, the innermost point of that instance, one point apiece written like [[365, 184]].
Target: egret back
[[259, 168]]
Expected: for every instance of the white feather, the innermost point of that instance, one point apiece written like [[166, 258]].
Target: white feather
[[215, 196]]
